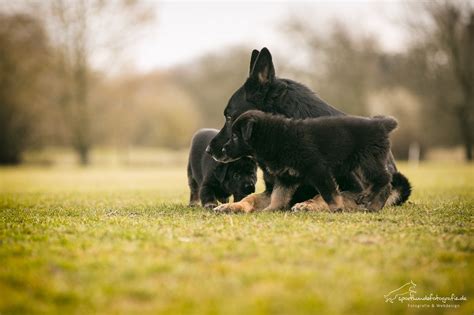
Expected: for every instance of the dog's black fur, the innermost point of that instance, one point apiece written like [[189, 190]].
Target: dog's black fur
[[317, 151], [210, 180], [266, 92]]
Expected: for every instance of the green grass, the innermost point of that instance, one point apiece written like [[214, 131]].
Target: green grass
[[122, 241]]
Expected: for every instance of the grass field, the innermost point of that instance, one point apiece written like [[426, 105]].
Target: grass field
[[110, 240]]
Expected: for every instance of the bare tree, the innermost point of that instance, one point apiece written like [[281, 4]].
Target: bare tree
[[23, 55], [341, 66], [455, 35], [84, 31], [442, 49]]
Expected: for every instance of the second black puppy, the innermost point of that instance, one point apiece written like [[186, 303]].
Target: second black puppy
[[210, 180], [316, 151]]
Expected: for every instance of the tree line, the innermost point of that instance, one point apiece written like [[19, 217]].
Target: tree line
[[52, 95]]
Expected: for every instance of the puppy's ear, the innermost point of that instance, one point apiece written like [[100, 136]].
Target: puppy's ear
[[247, 129], [253, 58], [263, 69], [221, 172]]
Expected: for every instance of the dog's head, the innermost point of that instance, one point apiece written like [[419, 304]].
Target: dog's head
[[240, 141], [251, 95], [241, 178], [238, 178]]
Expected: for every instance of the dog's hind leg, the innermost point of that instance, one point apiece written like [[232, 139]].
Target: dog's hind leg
[[378, 176], [194, 195], [380, 199], [326, 185], [208, 197], [281, 197], [349, 181], [194, 190]]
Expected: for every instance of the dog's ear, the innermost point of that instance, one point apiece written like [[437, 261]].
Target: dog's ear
[[263, 69], [247, 129], [253, 57], [221, 172]]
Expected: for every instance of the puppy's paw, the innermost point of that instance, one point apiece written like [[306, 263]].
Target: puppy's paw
[[335, 208], [210, 206], [269, 209], [350, 200], [363, 199], [374, 201], [337, 205], [233, 207], [225, 207], [303, 206], [376, 204], [299, 207], [315, 204]]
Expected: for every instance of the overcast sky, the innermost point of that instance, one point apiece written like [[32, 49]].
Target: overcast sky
[[184, 30]]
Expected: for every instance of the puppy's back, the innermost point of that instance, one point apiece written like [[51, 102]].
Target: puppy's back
[[345, 135], [353, 123], [198, 158], [201, 138]]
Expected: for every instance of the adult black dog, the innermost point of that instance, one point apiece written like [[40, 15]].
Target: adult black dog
[[298, 151], [210, 180], [264, 91]]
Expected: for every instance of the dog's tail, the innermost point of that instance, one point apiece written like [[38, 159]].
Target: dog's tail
[[388, 123], [401, 190]]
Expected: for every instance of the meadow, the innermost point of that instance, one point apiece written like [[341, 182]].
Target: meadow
[[122, 241]]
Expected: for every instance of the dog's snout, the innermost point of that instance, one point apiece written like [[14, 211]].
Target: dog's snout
[[208, 149]]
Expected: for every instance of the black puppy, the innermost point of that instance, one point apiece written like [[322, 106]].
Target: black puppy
[[315, 152], [210, 180]]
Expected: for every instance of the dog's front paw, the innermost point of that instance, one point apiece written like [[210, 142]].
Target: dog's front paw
[[315, 204], [269, 209], [225, 207], [363, 199], [232, 207], [337, 204], [210, 206], [335, 208], [375, 204], [301, 206]]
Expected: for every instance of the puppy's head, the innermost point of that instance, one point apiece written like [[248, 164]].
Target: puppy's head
[[241, 178], [240, 142]]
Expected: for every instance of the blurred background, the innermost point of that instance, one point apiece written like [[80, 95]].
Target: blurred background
[[128, 82]]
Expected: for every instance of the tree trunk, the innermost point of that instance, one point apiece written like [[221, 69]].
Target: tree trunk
[[83, 153], [82, 132], [10, 142], [466, 132], [9, 156]]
